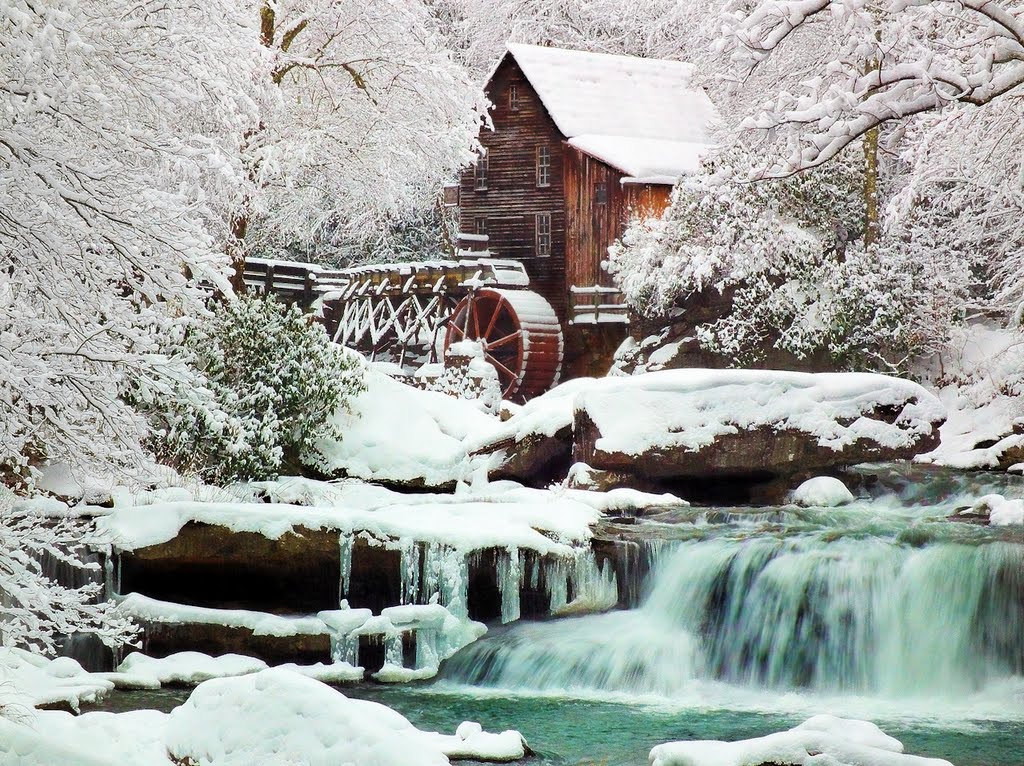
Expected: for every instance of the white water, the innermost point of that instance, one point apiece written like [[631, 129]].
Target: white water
[[838, 614]]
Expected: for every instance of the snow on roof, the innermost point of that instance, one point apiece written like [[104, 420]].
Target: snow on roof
[[653, 160], [639, 115]]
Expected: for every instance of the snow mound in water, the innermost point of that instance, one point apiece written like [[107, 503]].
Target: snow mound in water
[[822, 739], [822, 492], [276, 717], [1001, 512]]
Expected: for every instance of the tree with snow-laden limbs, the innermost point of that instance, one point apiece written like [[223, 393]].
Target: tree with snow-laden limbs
[[104, 229], [364, 115], [796, 275], [35, 610], [894, 59]]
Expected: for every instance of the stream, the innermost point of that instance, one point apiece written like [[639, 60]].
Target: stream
[[753, 619]]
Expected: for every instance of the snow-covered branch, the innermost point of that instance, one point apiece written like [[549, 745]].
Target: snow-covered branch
[[893, 59]]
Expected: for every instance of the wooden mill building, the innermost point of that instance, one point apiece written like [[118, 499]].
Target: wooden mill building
[[581, 143]]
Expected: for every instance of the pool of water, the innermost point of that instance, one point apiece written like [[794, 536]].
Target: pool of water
[[573, 732]]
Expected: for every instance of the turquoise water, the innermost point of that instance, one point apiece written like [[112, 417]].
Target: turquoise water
[[568, 732]]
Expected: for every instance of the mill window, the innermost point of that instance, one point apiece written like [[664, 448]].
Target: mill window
[[513, 96], [480, 173], [543, 166], [543, 224], [601, 194]]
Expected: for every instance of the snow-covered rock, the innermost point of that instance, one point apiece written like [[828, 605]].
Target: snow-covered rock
[[701, 423], [708, 423], [997, 510], [190, 667], [277, 717], [823, 739], [822, 492], [31, 680]]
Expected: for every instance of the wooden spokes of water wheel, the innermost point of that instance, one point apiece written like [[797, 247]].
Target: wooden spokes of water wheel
[[520, 336]]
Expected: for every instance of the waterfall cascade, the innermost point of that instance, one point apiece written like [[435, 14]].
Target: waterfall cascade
[[830, 611]]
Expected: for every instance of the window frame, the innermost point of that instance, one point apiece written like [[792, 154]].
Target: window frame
[[481, 172], [513, 97], [542, 235], [600, 194], [480, 225], [543, 166]]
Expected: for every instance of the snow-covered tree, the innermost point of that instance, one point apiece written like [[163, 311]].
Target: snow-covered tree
[[479, 29], [364, 115], [895, 59], [789, 259], [103, 219], [35, 610], [945, 80]]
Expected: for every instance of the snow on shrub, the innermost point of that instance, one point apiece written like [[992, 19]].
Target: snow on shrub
[[786, 254], [268, 380]]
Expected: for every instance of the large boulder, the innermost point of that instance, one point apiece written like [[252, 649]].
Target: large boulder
[[700, 424]]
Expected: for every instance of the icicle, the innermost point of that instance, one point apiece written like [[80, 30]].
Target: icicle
[[345, 648], [594, 588], [427, 649], [410, 572], [510, 582], [535, 564], [393, 654], [557, 585], [446, 575], [345, 545], [108, 576]]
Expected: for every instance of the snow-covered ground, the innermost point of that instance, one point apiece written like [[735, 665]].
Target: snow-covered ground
[[980, 382], [273, 717]]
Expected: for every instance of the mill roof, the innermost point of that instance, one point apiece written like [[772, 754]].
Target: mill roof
[[641, 116]]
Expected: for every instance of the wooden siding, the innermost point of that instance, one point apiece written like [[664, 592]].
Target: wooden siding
[[513, 199], [592, 227]]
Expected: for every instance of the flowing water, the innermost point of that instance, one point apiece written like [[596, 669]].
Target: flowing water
[[881, 610], [750, 620]]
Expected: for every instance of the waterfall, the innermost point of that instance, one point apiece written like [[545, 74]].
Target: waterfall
[[862, 615]]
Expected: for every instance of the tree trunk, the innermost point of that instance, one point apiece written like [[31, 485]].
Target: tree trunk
[[871, 223]]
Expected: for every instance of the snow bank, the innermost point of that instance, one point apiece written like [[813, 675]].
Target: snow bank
[[979, 381], [822, 492], [32, 680], [396, 433], [277, 717], [822, 739], [272, 718]]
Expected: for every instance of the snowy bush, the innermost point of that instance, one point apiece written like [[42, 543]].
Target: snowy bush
[[270, 380], [798, 279]]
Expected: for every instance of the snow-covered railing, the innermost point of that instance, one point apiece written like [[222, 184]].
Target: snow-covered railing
[[597, 304], [291, 280]]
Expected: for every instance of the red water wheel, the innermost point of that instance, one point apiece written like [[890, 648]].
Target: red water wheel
[[520, 336]]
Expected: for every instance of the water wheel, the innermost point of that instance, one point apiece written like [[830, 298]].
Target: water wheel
[[520, 336]]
